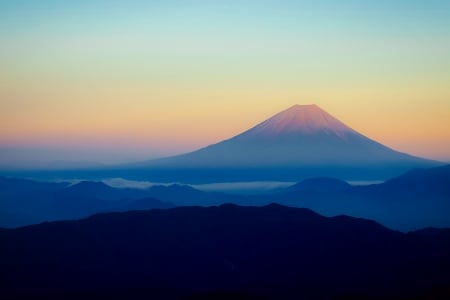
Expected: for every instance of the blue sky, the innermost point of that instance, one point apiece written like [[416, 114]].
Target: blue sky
[[94, 74]]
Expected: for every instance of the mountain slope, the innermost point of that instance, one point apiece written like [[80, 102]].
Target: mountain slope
[[302, 141], [274, 252]]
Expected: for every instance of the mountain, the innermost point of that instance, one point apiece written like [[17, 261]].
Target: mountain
[[270, 252], [302, 141], [436, 180], [25, 202], [92, 189], [419, 198], [22, 200]]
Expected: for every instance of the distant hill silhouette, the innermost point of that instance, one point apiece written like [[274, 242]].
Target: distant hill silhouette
[[24, 202], [92, 189], [423, 180], [270, 252], [417, 199]]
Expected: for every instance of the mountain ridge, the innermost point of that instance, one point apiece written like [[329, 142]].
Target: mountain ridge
[[414, 200], [272, 251]]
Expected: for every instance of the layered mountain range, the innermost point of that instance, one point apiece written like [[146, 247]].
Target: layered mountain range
[[414, 200], [177, 242]]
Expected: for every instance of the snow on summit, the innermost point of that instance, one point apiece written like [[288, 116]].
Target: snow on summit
[[301, 119]]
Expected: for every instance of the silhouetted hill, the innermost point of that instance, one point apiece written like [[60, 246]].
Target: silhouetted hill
[[271, 252], [20, 185], [419, 198], [25, 202], [146, 203], [183, 195], [436, 180], [22, 200], [91, 188], [100, 190]]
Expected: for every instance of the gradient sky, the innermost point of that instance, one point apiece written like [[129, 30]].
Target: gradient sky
[[114, 81]]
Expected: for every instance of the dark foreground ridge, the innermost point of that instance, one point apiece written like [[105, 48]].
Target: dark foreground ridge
[[225, 252]]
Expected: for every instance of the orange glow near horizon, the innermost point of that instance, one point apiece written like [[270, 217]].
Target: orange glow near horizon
[[163, 79]]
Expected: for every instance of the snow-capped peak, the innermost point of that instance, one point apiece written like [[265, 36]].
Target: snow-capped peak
[[302, 119]]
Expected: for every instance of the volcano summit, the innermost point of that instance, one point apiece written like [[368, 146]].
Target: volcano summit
[[301, 141]]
